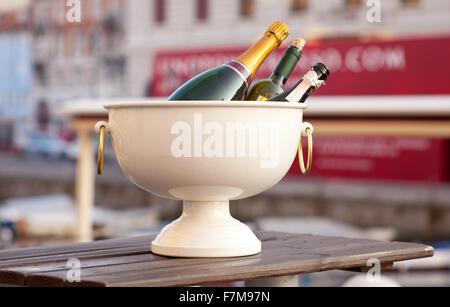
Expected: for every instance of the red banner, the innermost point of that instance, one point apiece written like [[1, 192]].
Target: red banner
[[388, 67], [379, 158]]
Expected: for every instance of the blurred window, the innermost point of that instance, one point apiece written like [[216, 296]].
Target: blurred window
[[22, 16], [160, 11], [121, 12], [87, 42], [95, 41], [115, 6], [59, 11], [78, 74], [353, 3], [58, 75], [78, 43], [41, 11], [6, 102], [96, 9], [202, 10], [410, 2], [42, 44], [60, 44], [247, 7], [299, 5], [68, 37], [41, 75], [6, 134]]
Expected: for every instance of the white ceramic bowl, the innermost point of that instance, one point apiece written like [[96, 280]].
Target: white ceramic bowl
[[205, 153]]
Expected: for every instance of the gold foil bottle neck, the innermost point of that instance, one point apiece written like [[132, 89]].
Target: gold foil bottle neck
[[255, 55], [299, 43], [280, 30]]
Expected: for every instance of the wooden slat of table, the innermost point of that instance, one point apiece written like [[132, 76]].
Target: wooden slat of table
[[17, 274], [135, 269], [81, 255], [76, 247], [26, 257], [101, 253], [276, 264], [109, 263]]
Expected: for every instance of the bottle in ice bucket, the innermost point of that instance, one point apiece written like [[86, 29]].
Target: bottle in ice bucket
[[306, 86], [274, 85], [231, 80]]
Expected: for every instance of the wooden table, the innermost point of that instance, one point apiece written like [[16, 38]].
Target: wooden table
[[129, 262]]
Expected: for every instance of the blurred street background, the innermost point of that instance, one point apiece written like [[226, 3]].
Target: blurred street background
[[54, 67]]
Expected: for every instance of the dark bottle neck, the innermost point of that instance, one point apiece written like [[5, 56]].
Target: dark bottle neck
[[285, 67]]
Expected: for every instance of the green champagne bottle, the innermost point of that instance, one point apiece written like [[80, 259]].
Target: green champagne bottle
[[311, 81], [231, 81], [268, 88]]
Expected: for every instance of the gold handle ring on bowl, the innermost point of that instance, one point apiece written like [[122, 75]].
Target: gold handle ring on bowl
[[102, 128], [307, 169], [101, 150]]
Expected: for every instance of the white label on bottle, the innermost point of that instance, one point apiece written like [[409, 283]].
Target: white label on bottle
[[301, 89]]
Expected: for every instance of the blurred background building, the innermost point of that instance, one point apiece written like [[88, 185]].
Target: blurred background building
[[376, 186], [85, 59], [163, 27], [47, 60], [16, 73]]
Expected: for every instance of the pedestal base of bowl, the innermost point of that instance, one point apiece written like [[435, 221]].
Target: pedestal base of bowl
[[206, 229]]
